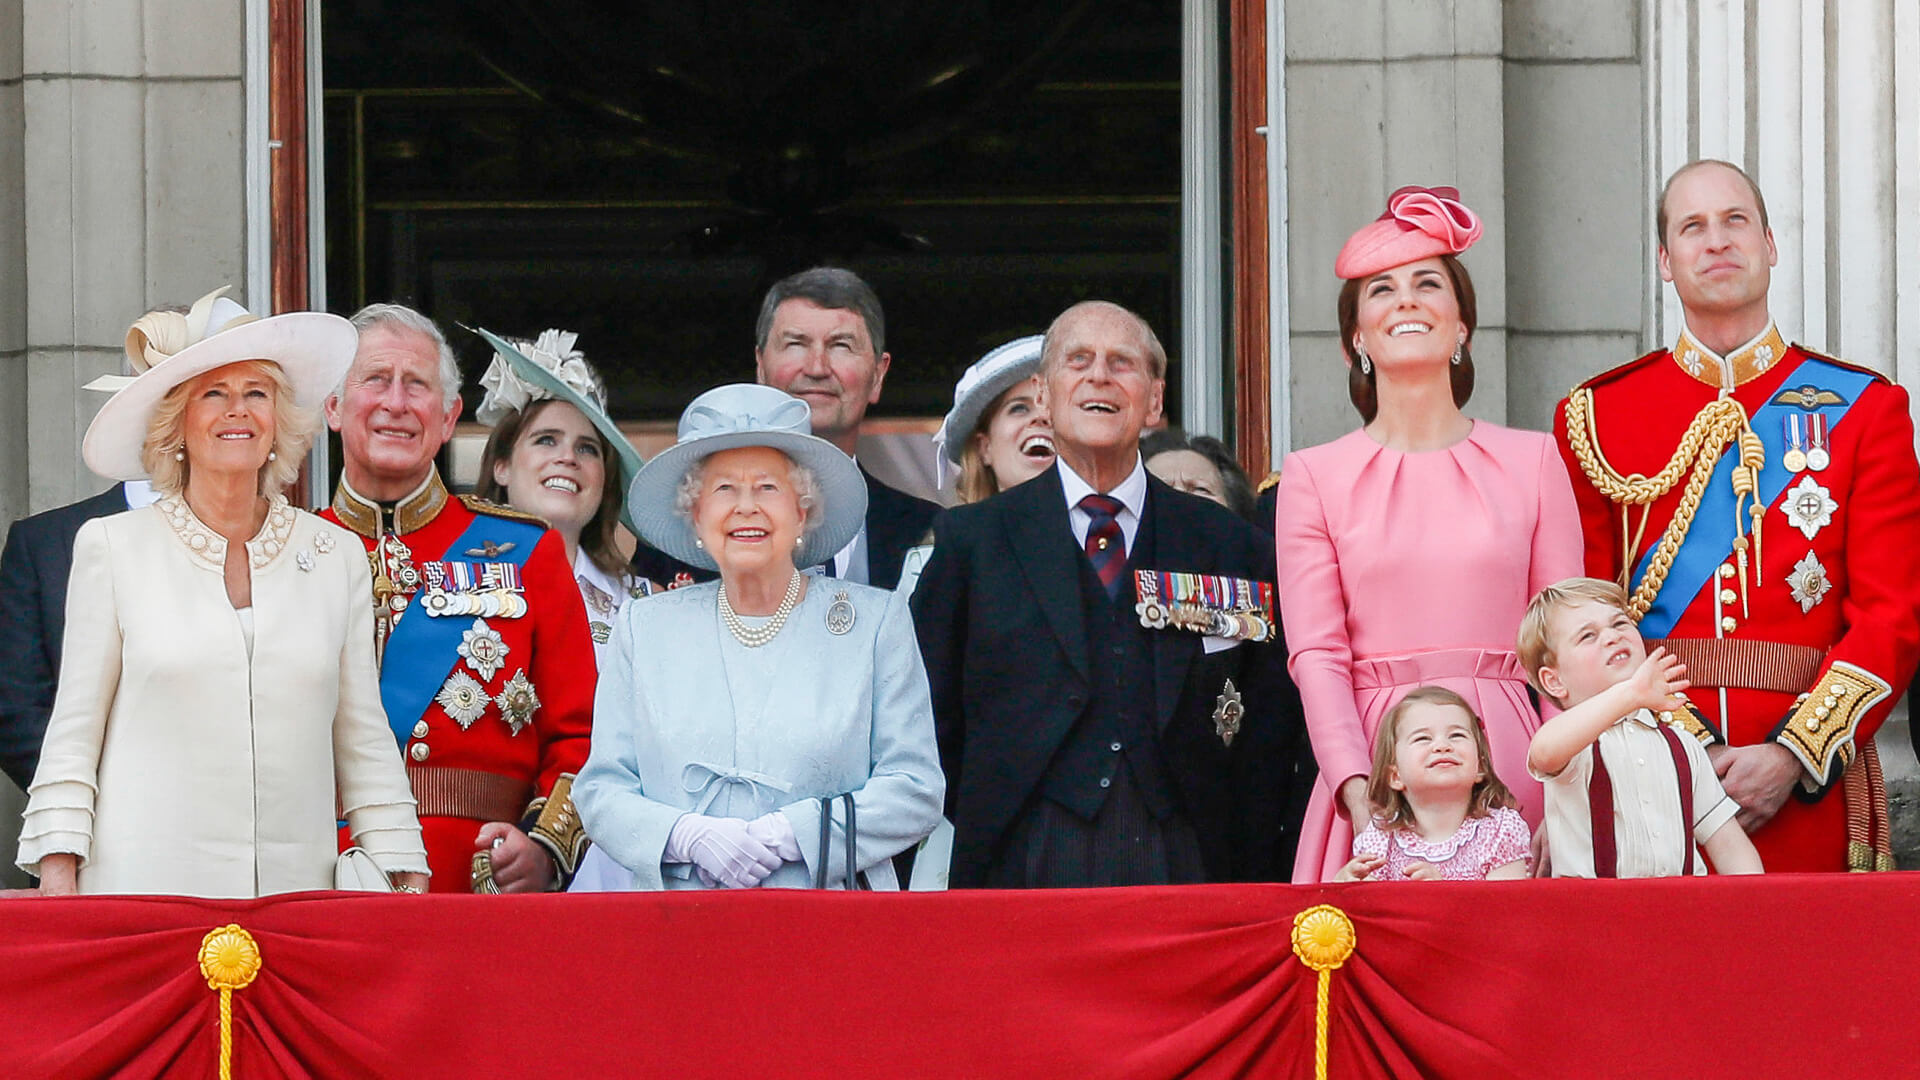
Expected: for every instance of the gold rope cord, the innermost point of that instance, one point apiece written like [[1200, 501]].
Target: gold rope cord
[[1719, 423], [229, 960], [1323, 938]]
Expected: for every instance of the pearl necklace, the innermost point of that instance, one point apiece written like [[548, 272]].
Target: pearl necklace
[[754, 637]]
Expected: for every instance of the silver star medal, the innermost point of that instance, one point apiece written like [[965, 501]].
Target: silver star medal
[[840, 614], [483, 649], [1227, 711], [1809, 583], [1809, 507], [463, 698], [517, 701]]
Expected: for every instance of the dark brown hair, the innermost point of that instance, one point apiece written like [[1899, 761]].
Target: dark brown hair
[[596, 536], [1391, 807], [1660, 211], [1360, 384]]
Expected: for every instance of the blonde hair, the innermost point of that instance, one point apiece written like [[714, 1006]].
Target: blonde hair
[[1392, 811], [293, 431], [1534, 647], [977, 481]]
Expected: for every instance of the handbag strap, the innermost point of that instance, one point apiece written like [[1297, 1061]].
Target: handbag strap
[[826, 839]]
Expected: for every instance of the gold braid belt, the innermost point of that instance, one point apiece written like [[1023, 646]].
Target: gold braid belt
[[1720, 423]]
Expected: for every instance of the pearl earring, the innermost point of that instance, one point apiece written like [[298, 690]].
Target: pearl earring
[[180, 454], [271, 456], [699, 543]]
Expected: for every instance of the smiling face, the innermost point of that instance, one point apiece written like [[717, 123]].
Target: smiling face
[[228, 424], [1408, 316], [391, 415], [1594, 645], [1101, 386], [824, 357], [747, 511], [1016, 442], [556, 467], [1435, 752], [1717, 251]]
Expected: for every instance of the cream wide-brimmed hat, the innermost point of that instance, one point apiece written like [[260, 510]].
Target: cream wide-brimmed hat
[[747, 414], [167, 349]]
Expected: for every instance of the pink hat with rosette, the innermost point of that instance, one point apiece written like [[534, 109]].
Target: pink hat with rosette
[[1419, 223]]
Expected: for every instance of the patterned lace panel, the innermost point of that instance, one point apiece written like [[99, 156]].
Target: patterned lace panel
[[210, 548]]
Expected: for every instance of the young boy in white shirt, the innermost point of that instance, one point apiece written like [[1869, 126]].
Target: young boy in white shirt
[[1629, 789]]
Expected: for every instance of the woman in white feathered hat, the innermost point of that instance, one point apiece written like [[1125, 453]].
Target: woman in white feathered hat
[[556, 453], [218, 698]]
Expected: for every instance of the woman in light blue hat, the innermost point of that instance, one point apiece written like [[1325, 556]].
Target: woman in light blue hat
[[731, 714], [555, 452]]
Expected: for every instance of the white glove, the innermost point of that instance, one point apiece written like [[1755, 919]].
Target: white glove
[[722, 848], [776, 831]]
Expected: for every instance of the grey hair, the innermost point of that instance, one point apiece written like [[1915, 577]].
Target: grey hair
[[829, 287], [1051, 344], [806, 488], [402, 317]]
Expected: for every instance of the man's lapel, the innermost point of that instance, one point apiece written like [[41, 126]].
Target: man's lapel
[[1042, 541], [1169, 542]]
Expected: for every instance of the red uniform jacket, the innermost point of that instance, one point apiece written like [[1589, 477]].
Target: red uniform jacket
[[468, 761], [1807, 646]]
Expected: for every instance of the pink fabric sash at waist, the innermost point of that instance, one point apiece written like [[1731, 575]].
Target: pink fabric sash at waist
[[1426, 667]]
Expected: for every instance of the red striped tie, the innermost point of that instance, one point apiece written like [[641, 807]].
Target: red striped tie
[[1106, 544]]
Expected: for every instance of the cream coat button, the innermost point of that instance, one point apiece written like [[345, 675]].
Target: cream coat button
[[1728, 624], [420, 729], [418, 751]]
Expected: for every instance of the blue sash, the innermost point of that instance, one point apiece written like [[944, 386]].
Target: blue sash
[[1715, 525], [417, 654]]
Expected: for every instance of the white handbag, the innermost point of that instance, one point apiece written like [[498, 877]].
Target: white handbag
[[355, 871]]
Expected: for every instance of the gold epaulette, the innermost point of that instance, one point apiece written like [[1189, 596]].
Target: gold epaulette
[[1689, 721], [1268, 481], [558, 828], [493, 509], [1820, 730]]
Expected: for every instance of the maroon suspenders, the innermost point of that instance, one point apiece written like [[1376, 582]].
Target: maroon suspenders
[[1606, 856]]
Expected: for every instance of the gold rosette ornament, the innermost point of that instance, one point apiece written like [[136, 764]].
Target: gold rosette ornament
[[229, 960], [1323, 939]]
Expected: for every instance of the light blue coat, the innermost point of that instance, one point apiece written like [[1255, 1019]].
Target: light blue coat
[[687, 719]]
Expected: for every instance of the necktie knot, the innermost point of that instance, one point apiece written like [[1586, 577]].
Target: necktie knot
[[1106, 544], [1102, 506]]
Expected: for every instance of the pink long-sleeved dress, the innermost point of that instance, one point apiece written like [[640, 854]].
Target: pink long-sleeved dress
[[1400, 570]]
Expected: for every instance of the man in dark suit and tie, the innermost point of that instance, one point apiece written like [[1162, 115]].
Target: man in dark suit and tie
[[33, 596], [1081, 747], [821, 337]]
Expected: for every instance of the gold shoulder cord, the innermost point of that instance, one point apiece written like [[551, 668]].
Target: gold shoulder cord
[[1720, 422]]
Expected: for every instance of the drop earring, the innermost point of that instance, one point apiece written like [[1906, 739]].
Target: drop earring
[[1366, 362], [699, 543], [180, 454], [272, 456], [1458, 347]]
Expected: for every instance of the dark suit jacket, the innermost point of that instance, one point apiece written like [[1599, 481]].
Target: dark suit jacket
[[33, 618], [896, 521], [999, 616]]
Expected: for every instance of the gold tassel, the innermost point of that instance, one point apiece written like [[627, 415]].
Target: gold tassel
[[1323, 938], [229, 960]]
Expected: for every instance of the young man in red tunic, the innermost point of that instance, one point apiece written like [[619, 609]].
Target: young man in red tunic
[[487, 669], [1761, 503]]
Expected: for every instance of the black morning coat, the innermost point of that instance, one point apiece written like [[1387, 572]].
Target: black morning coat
[[33, 619], [999, 615]]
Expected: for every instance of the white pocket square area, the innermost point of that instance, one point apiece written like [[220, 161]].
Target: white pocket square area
[[1213, 643]]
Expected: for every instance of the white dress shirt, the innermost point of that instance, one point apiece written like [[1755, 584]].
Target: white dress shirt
[[1132, 493]]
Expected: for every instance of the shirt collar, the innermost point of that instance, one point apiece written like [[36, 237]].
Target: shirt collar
[[410, 514], [1749, 361], [1132, 492], [1645, 716]]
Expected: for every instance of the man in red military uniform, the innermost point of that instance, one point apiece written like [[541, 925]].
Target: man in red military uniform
[[1761, 503], [487, 669]]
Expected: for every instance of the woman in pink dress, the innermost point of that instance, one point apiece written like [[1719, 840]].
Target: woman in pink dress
[[1409, 548]]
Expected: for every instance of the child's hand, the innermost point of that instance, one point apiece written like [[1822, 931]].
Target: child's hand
[[1422, 871], [1659, 681], [1360, 867]]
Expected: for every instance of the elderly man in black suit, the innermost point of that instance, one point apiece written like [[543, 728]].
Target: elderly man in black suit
[[821, 337], [1082, 747], [33, 596]]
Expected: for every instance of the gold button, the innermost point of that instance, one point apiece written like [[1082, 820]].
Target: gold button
[[1728, 596], [1102, 545], [1831, 702], [420, 729], [418, 751], [1839, 691], [1727, 624], [1812, 724], [1726, 571], [1820, 711]]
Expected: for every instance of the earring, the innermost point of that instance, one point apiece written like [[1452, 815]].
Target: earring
[[1366, 362], [180, 454], [799, 540], [1457, 347], [271, 456], [699, 543]]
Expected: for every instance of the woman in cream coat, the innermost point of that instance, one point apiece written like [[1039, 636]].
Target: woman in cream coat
[[218, 692]]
